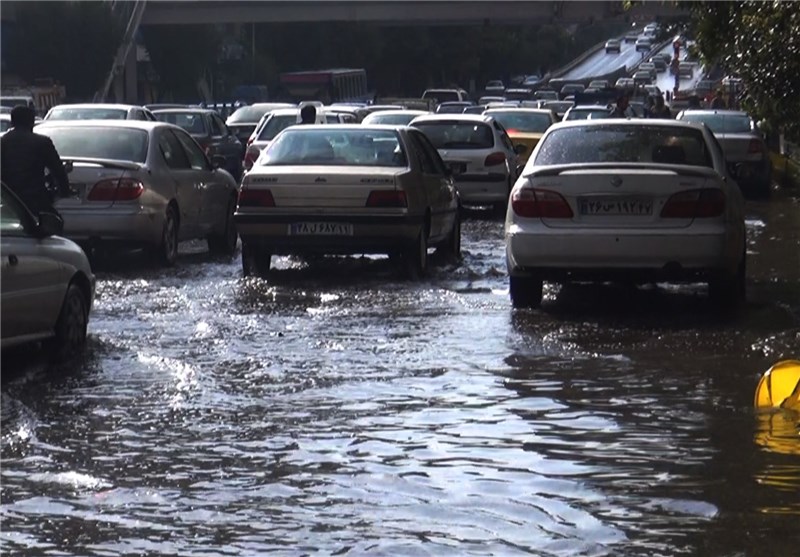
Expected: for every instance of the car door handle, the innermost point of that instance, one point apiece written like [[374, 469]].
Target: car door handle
[[13, 259]]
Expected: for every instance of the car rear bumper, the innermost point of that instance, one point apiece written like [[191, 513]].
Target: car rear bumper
[[140, 225], [370, 234], [601, 255], [482, 188]]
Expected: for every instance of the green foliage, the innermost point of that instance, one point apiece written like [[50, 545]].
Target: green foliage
[[71, 42], [760, 42]]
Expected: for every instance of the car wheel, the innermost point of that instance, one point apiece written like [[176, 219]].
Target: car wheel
[[225, 243], [70, 338], [416, 256], [166, 252], [452, 246], [729, 290], [526, 292], [255, 263]]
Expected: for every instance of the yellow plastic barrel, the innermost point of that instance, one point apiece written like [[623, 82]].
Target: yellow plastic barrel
[[779, 387]]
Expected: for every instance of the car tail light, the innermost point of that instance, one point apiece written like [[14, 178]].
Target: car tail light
[[387, 198], [250, 159], [255, 198], [546, 204], [123, 189], [755, 147], [704, 203], [494, 159], [250, 141]]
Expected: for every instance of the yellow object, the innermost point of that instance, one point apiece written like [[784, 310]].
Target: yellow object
[[779, 387]]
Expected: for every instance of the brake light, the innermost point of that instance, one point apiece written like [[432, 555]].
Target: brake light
[[704, 203], [755, 147], [494, 159], [255, 198], [387, 198], [250, 141], [250, 159], [123, 189], [546, 204]]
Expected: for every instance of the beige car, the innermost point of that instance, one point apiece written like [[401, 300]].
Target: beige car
[[142, 184], [47, 284], [339, 189]]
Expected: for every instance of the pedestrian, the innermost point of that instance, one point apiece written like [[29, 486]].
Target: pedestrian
[[660, 109], [24, 156], [622, 109], [718, 102], [308, 114]]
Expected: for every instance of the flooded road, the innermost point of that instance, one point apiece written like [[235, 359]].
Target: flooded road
[[341, 410]]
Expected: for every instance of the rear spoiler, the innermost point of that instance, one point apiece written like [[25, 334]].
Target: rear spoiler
[[679, 169], [105, 163]]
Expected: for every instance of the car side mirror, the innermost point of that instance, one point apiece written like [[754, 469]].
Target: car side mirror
[[520, 148], [50, 224], [217, 161]]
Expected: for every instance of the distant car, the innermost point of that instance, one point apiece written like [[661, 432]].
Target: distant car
[[496, 86], [649, 67], [545, 95], [525, 126], [445, 95], [597, 84], [686, 69], [210, 132], [531, 80], [613, 45], [392, 117], [98, 111], [491, 99], [244, 120], [142, 184], [162, 106], [348, 190], [659, 63], [642, 77], [558, 107], [477, 148], [476, 109], [570, 89], [519, 94], [455, 107], [742, 145], [587, 112], [625, 83], [653, 91], [643, 44], [48, 284], [705, 88], [631, 36], [660, 209]]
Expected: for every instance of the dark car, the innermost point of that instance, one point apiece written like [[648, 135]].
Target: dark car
[[208, 129], [243, 122]]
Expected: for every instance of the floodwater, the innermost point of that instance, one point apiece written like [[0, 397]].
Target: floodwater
[[341, 410]]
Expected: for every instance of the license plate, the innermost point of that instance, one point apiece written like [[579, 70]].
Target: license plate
[[601, 206], [321, 229]]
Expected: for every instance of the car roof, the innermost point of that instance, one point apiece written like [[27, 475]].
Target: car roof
[[397, 112], [524, 110], [723, 112], [183, 110], [634, 122], [332, 127], [145, 125], [451, 117], [99, 105]]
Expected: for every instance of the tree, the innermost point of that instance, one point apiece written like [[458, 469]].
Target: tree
[[71, 42]]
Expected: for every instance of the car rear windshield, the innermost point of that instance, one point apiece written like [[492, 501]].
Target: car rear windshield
[[192, 122], [335, 147], [441, 96], [248, 114], [524, 122], [623, 143], [99, 143], [87, 114], [390, 119], [447, 134], [275, 124], [722, 123]]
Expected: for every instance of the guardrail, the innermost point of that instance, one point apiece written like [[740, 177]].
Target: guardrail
[[577, 61]]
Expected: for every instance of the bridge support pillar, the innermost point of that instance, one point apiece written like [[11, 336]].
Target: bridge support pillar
[[126, 83]]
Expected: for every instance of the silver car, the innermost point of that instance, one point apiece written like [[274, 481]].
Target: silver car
[[47, 284], [392, 117], [99, 111], [478, 150], [143, 184], [628, 200], [345, 189], [743, 145]]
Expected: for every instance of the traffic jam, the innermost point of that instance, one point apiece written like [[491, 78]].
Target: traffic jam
[[395, 310]]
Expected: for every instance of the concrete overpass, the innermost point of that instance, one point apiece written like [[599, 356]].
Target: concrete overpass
[[404, 12]]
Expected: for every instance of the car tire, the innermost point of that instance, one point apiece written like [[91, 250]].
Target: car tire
[[728, 290], [225, 243], [70, 330], [416, 256], [451, 247], [255, 263], [525, 292], [166, 252]]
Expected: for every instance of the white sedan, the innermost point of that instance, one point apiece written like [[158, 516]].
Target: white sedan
[[47, 283], [348, 189], [629, 200]]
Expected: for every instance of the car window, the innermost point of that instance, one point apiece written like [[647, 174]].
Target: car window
[[721, 122], [106, 142], [276, 124], [216, 131], [12, 219], [197, 159], [426, 162], [622, 143], [430, 149], [222, 127], [149, 116], [192, 122], [174, 154], [453, 134], [87, 113]]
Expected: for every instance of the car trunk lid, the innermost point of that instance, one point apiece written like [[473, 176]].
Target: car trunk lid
[[87, 173]]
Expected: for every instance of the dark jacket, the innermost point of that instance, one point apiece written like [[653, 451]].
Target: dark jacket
[[24, 155]]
